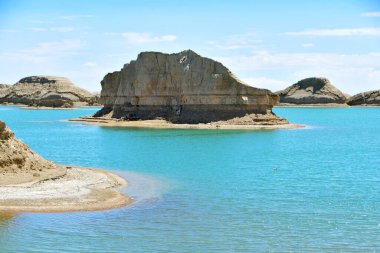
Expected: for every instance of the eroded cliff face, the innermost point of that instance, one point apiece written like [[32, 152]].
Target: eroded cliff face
[[365, 98], [182, 87], [19, 164], [313, 90], [48, 91]]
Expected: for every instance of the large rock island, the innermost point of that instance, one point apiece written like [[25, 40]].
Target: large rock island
[[184, 88], [365, 98], [30, 183], [47, 91], [312, 91]]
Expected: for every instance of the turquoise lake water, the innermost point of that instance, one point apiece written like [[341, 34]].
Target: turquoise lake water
[[307, 190]]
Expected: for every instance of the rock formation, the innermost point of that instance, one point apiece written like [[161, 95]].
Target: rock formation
[[365, 98], [19, 164], [182, 88], [314, 90], [29, 183], [47, 91]]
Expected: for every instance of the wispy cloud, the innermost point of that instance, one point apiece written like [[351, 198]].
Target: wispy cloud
[[52, 29], [57, 46], [8, 31], [369, 31], [144, 38], [237, 41], [46, 51], [39, 29], [307, 45], [371, 14], [89, 64], [74, 17], [39, 22]]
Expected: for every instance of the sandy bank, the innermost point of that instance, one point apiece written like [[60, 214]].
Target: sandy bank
[[312, 105], [79, 189], [163, 124]]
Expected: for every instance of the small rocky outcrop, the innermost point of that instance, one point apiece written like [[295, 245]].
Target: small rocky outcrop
[[19, 164], [182, 88], [365, 98], [314, 90], [49, 91]]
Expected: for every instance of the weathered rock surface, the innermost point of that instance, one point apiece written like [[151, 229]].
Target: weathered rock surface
[[182, 88], [19, 164], [314, 90], [365, 98], [50, 91]]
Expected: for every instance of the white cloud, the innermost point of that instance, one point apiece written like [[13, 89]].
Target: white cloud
[[237, 41], [46, 51], [39, 22], [144, 38], [371, 14], [39, 29], [52, 29], [62, 29], [89, 64], [307, 45], [74, 17], [8, 31], [368, 31]]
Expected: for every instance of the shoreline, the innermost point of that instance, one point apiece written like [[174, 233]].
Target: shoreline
[[324, 105], [331, 105], [57, 108], [163, 124], [26, 107], [79, 189]]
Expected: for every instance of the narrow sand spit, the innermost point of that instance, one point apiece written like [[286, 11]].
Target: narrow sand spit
[[163, 124], [79, 189], [326, 105]]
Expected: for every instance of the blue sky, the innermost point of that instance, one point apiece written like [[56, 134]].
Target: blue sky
[[266, 43]]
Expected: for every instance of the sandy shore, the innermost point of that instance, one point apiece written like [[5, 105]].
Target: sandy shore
[[47, 108], [312, 105], [163, 124], [79, 189]]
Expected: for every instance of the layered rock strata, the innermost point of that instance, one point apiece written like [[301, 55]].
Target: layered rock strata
[[29, 183], [182, 88], [365, 98], [50, 91], [19, 164], [314, 90]]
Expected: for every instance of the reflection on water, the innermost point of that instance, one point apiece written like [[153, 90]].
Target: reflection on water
[[142, 188], [6, 216]]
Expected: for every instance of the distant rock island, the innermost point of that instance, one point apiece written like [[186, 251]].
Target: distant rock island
[[314, 90], [365, 98], [28, 182], [183, 88], [46, 91]]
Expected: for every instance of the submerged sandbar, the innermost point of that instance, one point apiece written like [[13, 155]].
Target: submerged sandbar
[[79, 189], [242, 123]]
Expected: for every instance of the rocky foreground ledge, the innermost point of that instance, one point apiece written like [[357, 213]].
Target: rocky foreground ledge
[[29, 183]]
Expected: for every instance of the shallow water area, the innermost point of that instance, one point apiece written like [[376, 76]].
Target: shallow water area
[[314, 189]]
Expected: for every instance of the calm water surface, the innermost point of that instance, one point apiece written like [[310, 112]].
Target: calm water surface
[[308, 190]]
